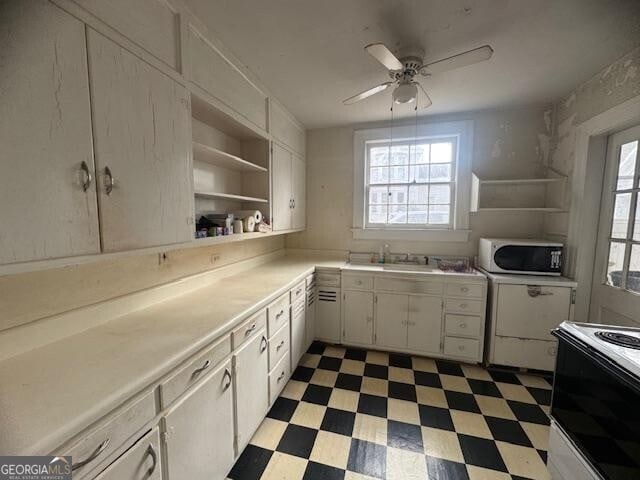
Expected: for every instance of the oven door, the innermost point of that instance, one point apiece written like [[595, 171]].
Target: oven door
[[597, 405], [537, 259]]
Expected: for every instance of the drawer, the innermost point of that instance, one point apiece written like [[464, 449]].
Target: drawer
[[463, 306], [328, 279], [112, 434], [462, 325], [140, 462], [278, 314], [278, 346], [523, 353], [278, 377], [248, 328], [468, 290], [191, 371], [298, 292], [409, 286], [362, 282], [467, 348]]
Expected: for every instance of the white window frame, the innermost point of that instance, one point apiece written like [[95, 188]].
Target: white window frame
[[458, 230]]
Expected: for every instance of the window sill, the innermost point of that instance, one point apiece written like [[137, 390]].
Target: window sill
[[411, 235]]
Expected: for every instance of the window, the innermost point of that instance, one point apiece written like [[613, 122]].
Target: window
[[413, 183], [623, 266], [410, 184]]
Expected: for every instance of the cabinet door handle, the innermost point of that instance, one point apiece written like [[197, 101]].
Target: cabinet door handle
[[248, 331], [464, 289], [279, 314], [263, 344], [298, 292], [280, 345], [463, 305], [294, 202], [95, 454], [154, 458], [227, 375], [88, 178], [198, 371], [109, 181], [280, 377], [463, 325]]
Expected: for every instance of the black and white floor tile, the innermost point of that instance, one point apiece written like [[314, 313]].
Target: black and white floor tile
[[354, 414]]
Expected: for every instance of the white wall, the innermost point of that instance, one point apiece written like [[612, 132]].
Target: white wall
[[507, 144]]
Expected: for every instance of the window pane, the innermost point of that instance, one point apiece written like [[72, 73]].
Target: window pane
[[399, 174], [439, 194], [439, 214], [440, 173], [398, 214], [627, 165], [379, 175], [418, 214], [418, 194], [633, 277], [441, 153], [379, 156], [398, 195], [620, 219], [400, 155], [614, 265], [378, 195], [419, 154], [636, 221], [419, 173], [378, 214]]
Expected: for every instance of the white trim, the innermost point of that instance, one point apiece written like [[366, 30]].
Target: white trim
[[411, 235], [586, 192], [463, 130]]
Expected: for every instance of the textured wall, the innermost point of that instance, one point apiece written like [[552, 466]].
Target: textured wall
[[507, 144]]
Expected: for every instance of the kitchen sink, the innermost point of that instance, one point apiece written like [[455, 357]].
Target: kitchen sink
[[408, 267]]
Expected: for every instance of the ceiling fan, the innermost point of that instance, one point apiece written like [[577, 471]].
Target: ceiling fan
[[403, 71]]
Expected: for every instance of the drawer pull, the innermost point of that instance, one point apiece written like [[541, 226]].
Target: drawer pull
[[461, 348], [298, 292], [463, 325], [263, 344], [198, 371], [464, 289], [358, 282], [249, 330], [280, 377], [154, 458], [227, 375], [101, 448], [280, 345], [279, 314], [463, 305], [552, 351]]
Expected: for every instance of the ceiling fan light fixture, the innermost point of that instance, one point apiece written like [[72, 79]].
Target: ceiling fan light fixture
[[405, 93]]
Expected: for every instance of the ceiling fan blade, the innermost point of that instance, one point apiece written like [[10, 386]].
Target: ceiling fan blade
[[381, 53], [476, 55], [367, 93], [426, 100]]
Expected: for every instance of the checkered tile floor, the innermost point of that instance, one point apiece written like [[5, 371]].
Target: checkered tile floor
[[354, 414]]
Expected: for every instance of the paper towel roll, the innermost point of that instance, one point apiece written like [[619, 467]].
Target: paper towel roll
[[249, 224], [256, 214]]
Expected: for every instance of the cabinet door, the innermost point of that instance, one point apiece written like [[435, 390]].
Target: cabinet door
[[425, 324], [310, 319], [140, 462], [281, 194], [299, 188], [328, 314], [141, 128], [391, 320], [298, 334], [45, 133], [251, 387], [357, 317], [199, 430]]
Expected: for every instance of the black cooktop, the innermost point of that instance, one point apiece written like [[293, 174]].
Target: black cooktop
[[621, 339]]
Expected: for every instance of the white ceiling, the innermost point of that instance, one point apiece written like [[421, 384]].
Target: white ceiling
[[309, 53]]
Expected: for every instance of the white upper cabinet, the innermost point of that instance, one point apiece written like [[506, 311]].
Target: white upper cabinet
[[142, 148], [213, 72], [45, 133], [298, 179], [288, 177], [286, 129], [152, 24]]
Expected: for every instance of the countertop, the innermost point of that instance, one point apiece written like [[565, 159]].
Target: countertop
[[52, 393], [401, 269], [542, 280]]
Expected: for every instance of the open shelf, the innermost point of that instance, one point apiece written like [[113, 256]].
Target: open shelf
[[522, 181], [517, 194], [229, 196], [214, 156]]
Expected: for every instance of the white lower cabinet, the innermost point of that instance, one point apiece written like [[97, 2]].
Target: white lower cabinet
[[328, 314], [198, 437], [298, 332], [251, 370], [357, 317], [140, 462], [424, 324], [310, 312], [391, 319]]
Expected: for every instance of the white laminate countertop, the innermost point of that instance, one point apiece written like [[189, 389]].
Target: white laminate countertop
[[51, 393], [542, 280]]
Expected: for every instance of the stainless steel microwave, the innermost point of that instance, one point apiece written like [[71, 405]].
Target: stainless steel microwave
[[523, 256]]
